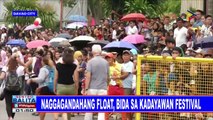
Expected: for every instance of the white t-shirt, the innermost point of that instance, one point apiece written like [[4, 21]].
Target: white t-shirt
[[180, 36], [19, 70], [132, 30], [206, 31], [128, 67], [114, 35]]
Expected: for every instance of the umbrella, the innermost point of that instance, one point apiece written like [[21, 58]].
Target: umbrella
[[56, 41], [206, 42], [77, 18], [64, 35], [37, 43], [75, 25], [99, 42], [82, 38], [120, 44], [16, 42], [32, 27], [133, 16], [64, 44], [81, 41], [134, 39]]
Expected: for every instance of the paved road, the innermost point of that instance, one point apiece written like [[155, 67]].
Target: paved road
[[28, 116]]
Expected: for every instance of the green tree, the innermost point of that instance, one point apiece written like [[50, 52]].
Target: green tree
[[45, 12], [170, 6], [142, 6]]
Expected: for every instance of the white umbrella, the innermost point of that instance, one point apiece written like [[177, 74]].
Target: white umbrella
[[75, 25], [32, 27], [58, 39], [82, 38]]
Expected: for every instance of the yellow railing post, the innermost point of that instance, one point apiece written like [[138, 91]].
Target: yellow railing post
[[138, 83]]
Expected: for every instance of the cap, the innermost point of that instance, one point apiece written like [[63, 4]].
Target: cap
[[126, 51], [134, 52], [109, 55]]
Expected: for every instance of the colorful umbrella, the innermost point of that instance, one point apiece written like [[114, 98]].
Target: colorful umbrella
[[37, 43], [133, 16], [16, 42], [32, 27], [134, 39], [77, 18], [120, 44], [75, 25]]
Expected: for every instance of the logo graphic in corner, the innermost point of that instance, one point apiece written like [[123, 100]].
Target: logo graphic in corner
[[16, 105]]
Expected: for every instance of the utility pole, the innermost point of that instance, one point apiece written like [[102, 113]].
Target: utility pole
[[61, 14]]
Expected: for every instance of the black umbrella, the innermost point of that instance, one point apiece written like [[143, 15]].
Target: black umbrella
[[99, 42]]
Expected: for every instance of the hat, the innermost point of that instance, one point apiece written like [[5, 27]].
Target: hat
[[109, 55], [126, 51], [134, 52]]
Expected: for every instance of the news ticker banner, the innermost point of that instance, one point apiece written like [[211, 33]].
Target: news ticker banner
[[24, 13], [113, 103]]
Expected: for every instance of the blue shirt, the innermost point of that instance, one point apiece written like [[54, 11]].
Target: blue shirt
[[198, 23]]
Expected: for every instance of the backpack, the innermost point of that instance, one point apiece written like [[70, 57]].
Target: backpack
[[51, 76], [13, 82]]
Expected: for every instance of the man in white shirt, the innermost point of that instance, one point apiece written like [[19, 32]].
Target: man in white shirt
[[180, 33], [206, 29]]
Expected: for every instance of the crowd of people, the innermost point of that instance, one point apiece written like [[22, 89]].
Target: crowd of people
[[91, 71]]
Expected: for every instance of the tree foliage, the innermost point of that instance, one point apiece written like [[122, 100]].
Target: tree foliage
[[150, 8], [45, 12], [142, 6]]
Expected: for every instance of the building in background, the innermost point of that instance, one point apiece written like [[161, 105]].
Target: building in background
[[205, 5]]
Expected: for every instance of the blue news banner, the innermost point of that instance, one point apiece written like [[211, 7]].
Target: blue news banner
[[24, 13], [124, 104]]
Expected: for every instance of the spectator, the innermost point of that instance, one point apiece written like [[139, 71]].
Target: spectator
[[180, 33], [167, 24], [206, 29], [127, 75], [97, 76], [132, 29], [170, 44], [198, 22]]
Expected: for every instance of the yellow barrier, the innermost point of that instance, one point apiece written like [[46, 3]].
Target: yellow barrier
[[183, 64]]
